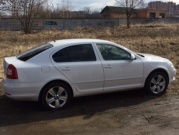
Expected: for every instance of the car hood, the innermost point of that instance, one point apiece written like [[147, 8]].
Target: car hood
[[153, 57]]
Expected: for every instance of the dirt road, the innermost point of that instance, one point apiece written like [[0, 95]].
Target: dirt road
[[122, 113]]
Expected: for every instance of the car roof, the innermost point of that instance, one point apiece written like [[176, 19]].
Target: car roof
[[77, 41]]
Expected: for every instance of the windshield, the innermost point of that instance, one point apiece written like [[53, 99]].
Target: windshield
[[33, 52]]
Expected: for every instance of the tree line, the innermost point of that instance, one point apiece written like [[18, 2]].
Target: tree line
[[26, 11]]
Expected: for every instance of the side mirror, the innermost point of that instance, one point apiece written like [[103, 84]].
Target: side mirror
[[133, 56]]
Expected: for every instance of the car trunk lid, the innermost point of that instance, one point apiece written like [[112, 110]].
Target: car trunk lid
[[10, 66]]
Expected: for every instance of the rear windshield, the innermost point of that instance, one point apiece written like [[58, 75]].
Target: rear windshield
[[33, 52]]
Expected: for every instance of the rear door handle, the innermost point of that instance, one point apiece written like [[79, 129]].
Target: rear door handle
[[66, 69]]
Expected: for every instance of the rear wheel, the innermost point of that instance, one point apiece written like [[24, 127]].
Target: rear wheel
[[56, 96], [157, 83]]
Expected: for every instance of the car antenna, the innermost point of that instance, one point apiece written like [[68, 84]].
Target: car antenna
[[53, 39], [51, 36]]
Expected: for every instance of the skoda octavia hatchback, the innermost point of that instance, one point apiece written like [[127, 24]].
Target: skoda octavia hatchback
[[57, 71]]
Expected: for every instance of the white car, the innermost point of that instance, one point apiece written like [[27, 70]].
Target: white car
[[57, 71]]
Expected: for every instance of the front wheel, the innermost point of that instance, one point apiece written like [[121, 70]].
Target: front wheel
[[56, 96], [157, 83]]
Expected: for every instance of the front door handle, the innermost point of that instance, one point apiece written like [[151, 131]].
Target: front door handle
[[66, 69], [108, 66]]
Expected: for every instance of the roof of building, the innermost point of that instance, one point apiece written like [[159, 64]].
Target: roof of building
[[113, 9], [117, 10]]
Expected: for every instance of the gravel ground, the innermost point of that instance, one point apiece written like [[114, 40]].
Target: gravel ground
[[122, 113]]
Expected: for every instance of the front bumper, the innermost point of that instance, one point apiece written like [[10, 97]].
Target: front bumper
[[172, 75]]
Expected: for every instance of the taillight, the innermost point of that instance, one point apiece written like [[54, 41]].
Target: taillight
[[11, 72]]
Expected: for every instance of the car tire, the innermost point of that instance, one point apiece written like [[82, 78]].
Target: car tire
[[56, 95], [157, 83]]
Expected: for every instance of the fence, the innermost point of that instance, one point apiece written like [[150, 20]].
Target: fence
[[42, 24], [154, 21], [61, 24]]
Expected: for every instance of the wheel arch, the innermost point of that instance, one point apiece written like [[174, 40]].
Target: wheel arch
[[158, 70], [52, 81]]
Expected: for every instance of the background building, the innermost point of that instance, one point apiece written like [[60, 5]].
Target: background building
[[171, 7], [120, 13], [151, 13]]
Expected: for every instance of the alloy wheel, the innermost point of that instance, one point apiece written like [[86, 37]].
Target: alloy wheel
[[158, 84], [56, 97]]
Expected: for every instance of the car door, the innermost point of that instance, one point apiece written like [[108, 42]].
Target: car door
[[79, 64], [120, 70]]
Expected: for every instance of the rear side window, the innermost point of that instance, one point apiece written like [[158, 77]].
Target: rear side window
[[61, 56], [33, 52], [76, 53]]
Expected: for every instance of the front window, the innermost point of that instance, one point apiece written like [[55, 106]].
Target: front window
[[110, 52]]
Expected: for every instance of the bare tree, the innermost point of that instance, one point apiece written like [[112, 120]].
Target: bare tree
[[26, 11], [2, 3], [130, 7], [66, 8], [87, 11]]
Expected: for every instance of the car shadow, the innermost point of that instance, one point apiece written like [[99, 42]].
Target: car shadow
[[15, 112]]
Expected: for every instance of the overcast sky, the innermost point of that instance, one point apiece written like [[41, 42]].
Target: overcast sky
[[94, 4]]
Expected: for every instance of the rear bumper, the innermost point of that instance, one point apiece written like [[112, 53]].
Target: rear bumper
[[21, 91]]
